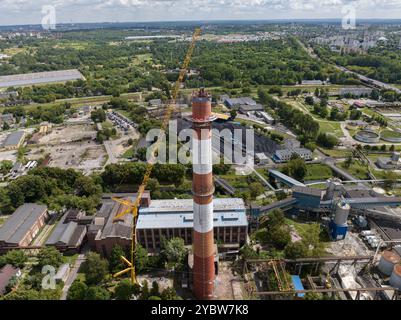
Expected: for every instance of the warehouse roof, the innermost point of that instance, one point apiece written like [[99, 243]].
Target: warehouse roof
[[39, 77], [163, 214], [14, 138], [17, 226], [240, 101], [66, 233]]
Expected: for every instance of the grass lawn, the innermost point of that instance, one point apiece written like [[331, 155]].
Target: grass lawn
[[124, 113], [335, 153], [238, 181], [355, 169], [129, 153], [331, 127], [318, 172]]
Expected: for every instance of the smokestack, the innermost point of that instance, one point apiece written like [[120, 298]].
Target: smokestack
[[203, 189]]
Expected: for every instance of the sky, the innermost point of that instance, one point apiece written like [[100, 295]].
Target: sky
[[74, 11]]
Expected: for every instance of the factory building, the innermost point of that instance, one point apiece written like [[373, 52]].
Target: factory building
[[14, 140], [285, 155], [68, 235], [22, 226], [244, 104], [165, 218]]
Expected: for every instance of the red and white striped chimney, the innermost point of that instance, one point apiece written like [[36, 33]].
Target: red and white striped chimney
[[203, 189]]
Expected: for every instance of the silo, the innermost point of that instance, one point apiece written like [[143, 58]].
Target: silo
[[395, 280], [342, 212], [387, 262]]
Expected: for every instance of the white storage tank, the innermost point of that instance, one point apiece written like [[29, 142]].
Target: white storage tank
[[342, 212], [395, 280], [387, 262]]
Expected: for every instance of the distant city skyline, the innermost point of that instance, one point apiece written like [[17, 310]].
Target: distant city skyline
[[80, 11]]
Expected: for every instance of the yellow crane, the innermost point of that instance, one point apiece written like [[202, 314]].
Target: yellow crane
[[133, 206]]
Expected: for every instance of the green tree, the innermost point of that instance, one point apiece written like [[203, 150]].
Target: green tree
[[5, 166], [175, 251], [50, 256], [296, 250], [77, 291], [296, 168], [96, 268], [169, 294], [144, 291], [280, 237], [115, 263], [16, 258], [154, 291], [124, 290], [98, 115], [141, 259], [256, 189], [97, 293], [85, 186]]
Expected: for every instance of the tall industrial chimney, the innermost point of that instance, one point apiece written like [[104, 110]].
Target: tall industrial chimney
[[203, 189]]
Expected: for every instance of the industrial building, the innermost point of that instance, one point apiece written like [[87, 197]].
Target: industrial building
[[165, 218], [40, 77], [244, 104], [22, 226], [355, 91], [68, 234], [285, 155], [14, 140]]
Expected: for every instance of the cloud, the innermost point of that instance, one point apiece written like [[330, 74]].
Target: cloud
[[29, 11]]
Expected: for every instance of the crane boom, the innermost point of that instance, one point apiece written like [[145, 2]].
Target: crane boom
[[133, 206]]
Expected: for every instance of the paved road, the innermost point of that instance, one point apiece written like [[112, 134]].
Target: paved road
[[108, 147], [73, 274]]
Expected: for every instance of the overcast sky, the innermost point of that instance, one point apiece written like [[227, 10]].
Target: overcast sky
[[30, 11]]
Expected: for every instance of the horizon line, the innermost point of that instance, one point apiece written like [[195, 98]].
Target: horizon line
[[207, 21]]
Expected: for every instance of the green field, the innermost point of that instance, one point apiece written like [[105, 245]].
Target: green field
[[335, 153], [331, 127], [357, 170], [318, 172]]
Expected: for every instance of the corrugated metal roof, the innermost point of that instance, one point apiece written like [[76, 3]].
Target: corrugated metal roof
[[17, 226], [67, 234]]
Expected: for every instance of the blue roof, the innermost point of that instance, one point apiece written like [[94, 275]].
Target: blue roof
[[291, 182], [296, 281]]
